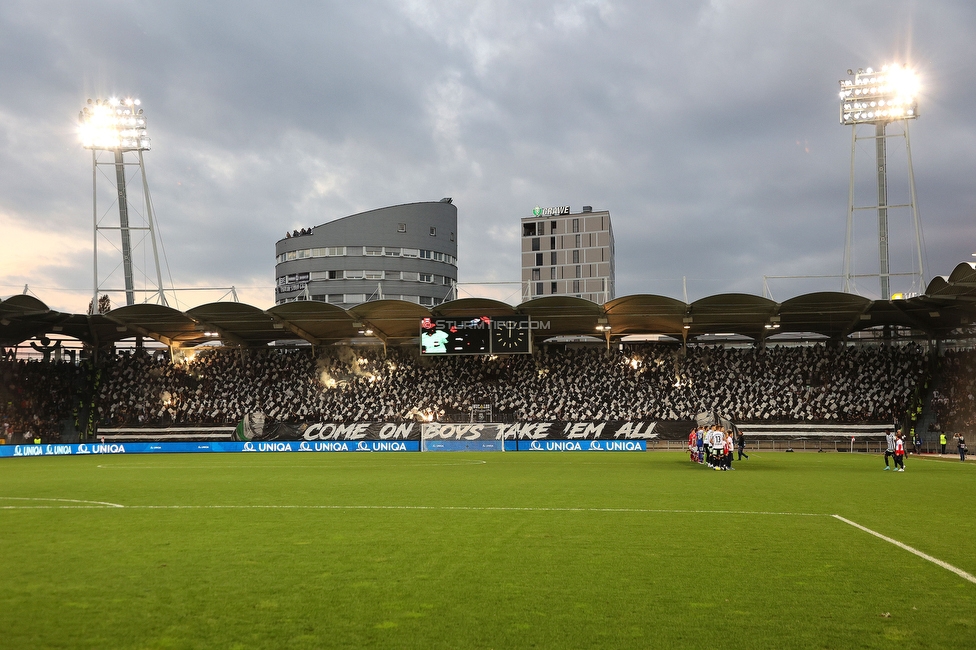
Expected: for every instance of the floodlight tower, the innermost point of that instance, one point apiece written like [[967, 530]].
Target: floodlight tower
[[118, 127], [880, 98]]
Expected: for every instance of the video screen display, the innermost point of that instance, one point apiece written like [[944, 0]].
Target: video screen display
[[482, 335], [443, 336]]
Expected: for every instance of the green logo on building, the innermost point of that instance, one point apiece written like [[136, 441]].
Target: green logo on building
[[537, 211]]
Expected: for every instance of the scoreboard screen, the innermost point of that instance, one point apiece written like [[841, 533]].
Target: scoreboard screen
[[446, 336], [482, 335]]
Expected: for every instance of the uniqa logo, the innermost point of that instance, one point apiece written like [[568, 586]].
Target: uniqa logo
[[106, 449], [274, 446], [57, 450]]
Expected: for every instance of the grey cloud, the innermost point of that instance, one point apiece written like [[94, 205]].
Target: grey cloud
[[709, 129]]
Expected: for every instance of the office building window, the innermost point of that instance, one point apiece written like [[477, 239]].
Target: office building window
[[579, 271], [539, 289], [528, 230], [575, 257], [552, 287], [552, 243], [576, 286], [552, 258], [538, 259], [541, 228], [536, 244], [579, 243], [552, 273], [552, 227], [575, 225], [536, 274]]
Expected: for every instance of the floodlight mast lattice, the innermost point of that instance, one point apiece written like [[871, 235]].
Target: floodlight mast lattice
[[880, 98], [118, 126]]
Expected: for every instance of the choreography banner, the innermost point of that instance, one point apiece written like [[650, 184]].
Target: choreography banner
[[542, 431], [615, 430], [256, 427], [440, 431]]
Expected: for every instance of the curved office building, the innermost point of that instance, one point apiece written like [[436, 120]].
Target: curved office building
[[403, 252]]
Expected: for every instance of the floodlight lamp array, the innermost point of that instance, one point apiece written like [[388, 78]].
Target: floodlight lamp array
[[114, 125], [873, 97]]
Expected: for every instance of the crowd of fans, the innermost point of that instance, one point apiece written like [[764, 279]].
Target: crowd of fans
[[815, 383], [808, 383], [955, 398], [35, 397]]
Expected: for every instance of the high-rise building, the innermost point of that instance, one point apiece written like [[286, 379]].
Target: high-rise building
[[568, 254], [403, 252]]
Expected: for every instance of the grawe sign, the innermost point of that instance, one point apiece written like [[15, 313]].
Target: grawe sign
[[550, 212]]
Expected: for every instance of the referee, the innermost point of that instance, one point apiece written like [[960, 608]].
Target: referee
[[890, 451]]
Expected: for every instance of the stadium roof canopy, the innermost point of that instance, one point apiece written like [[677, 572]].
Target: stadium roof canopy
[[948, 304]]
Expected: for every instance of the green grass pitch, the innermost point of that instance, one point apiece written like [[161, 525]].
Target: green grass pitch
[[489, 550]]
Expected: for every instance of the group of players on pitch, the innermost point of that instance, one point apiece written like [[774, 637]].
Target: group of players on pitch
[[895, 450], [713, 446]]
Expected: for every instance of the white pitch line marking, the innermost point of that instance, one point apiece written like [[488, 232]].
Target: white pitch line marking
[[469, 508], [925, 556], [947, 459], [100, 503]]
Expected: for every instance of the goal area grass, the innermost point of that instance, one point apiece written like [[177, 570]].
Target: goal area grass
[[485, 550]]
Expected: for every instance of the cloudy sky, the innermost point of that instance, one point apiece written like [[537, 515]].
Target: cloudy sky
[[708, 129]]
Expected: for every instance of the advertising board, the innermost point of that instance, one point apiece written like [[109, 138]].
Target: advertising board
[[118, 448]]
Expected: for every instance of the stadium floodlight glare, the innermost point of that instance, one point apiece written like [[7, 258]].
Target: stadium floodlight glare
[[117, 126], [883, 96], [880, 98], [113, 125]]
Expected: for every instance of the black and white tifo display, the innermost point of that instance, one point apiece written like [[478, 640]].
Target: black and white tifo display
[[482, 335], [492, 436]]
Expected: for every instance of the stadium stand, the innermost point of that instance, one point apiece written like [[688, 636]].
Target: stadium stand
[[803, 384], [35, 397], [955, 398], [320, 367]]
